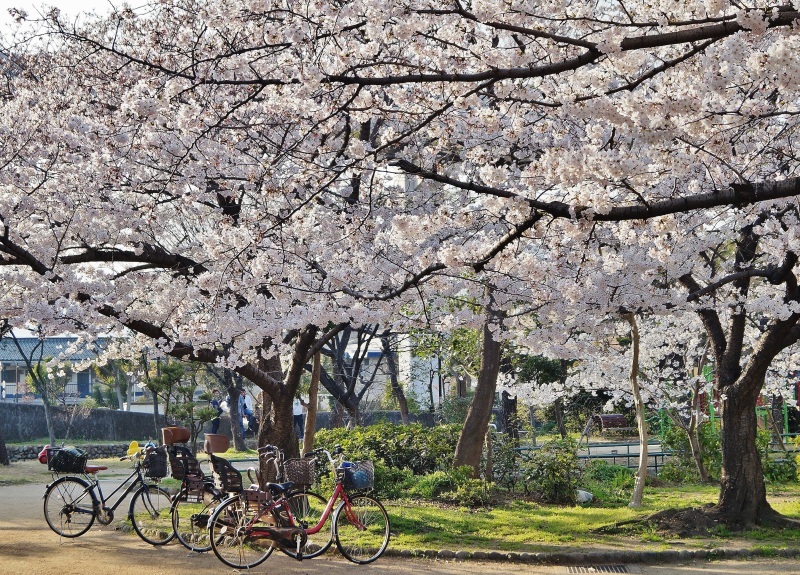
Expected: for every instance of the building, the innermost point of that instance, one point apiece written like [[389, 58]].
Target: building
[[14, 363]]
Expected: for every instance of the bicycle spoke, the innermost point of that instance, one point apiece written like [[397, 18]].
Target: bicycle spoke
[[361, 529]]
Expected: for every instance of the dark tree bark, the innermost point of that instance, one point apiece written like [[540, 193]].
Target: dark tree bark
[[4, 459], [397, 390], [470, 442], [742, 501], [311, 408], [510, 419]]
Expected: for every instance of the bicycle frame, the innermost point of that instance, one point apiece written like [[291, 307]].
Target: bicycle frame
[[339, 493], [95, 489]]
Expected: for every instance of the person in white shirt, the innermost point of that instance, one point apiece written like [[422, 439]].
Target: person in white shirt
[[298, 410]]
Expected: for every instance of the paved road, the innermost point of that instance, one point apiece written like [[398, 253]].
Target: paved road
[[28, 547]]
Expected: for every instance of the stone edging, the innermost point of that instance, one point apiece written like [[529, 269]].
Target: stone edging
[[596, 557]]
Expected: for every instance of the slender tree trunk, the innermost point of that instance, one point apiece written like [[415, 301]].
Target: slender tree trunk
[[118, 389], [233, 410], [558, 409], [311, 409], [488, 471], [694, 438], [641, 424], [510, 419], [397, 390], [4, 459], [470, 442], [48, 418]]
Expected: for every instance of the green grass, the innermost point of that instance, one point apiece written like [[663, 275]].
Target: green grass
[[521, 526]]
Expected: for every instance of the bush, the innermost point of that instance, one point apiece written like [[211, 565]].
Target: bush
[[780, 470], [420, 449], [675, 440], [610, 484], [551, 473], [432, 485], [454, 486], [679, 471], [505, 461]]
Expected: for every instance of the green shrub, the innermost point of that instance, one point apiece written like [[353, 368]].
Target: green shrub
[[676, 441], [420, 449], [453, 409], [471, 493], [551, 473], [679, 471], [432, 485], [392, 483], [780, 470], [506, 461]]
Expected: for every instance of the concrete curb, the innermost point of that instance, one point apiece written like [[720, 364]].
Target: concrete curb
[[595, 557]]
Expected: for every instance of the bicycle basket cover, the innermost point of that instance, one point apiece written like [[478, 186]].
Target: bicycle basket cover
[[361, 475], [155, 463], [66, 460]]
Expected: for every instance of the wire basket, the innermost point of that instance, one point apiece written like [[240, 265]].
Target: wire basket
[[155, 463], [226, 477], [357, 475], [183, 462], [66, 459], [299, 471]]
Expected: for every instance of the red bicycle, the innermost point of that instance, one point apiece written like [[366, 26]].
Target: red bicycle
[[246, 528]]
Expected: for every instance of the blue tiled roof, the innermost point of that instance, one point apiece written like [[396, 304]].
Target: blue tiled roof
[[53, 347]]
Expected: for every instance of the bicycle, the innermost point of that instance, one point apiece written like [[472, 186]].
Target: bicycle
[[245, 529], [73, 502], [198, 496], [194, 503]]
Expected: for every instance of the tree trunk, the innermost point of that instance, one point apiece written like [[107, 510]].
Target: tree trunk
[[4, 459], [118, 389], [488, 471], [470, 442], [48, 418], [397, 390], [558, 409], [510, 419], [694, 438], [311, 408], [641, 424], [743, 497]]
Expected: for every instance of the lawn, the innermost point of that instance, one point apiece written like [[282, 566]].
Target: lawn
[[523, 526]]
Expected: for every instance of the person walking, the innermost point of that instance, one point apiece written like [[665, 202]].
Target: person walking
[[298, 411], [215, 404]]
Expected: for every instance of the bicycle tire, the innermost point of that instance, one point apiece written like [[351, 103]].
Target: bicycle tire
[[361, 529], [150, 515], [69, 506], [229, 531], [191, 513], [307, 508]]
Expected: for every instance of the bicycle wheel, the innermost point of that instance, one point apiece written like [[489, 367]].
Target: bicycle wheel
[[231, 531], [69, 506], [307, 509], [191, 512], [361, 529], [150, 515]]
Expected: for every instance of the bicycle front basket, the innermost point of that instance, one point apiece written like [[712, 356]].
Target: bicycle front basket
[[155, 463], [360, 475], [66, 459], [299, 471]]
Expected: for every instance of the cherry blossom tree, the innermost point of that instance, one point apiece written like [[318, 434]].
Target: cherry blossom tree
[[228, 179]]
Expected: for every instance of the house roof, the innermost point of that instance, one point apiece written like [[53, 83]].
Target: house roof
[[33, 348]]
